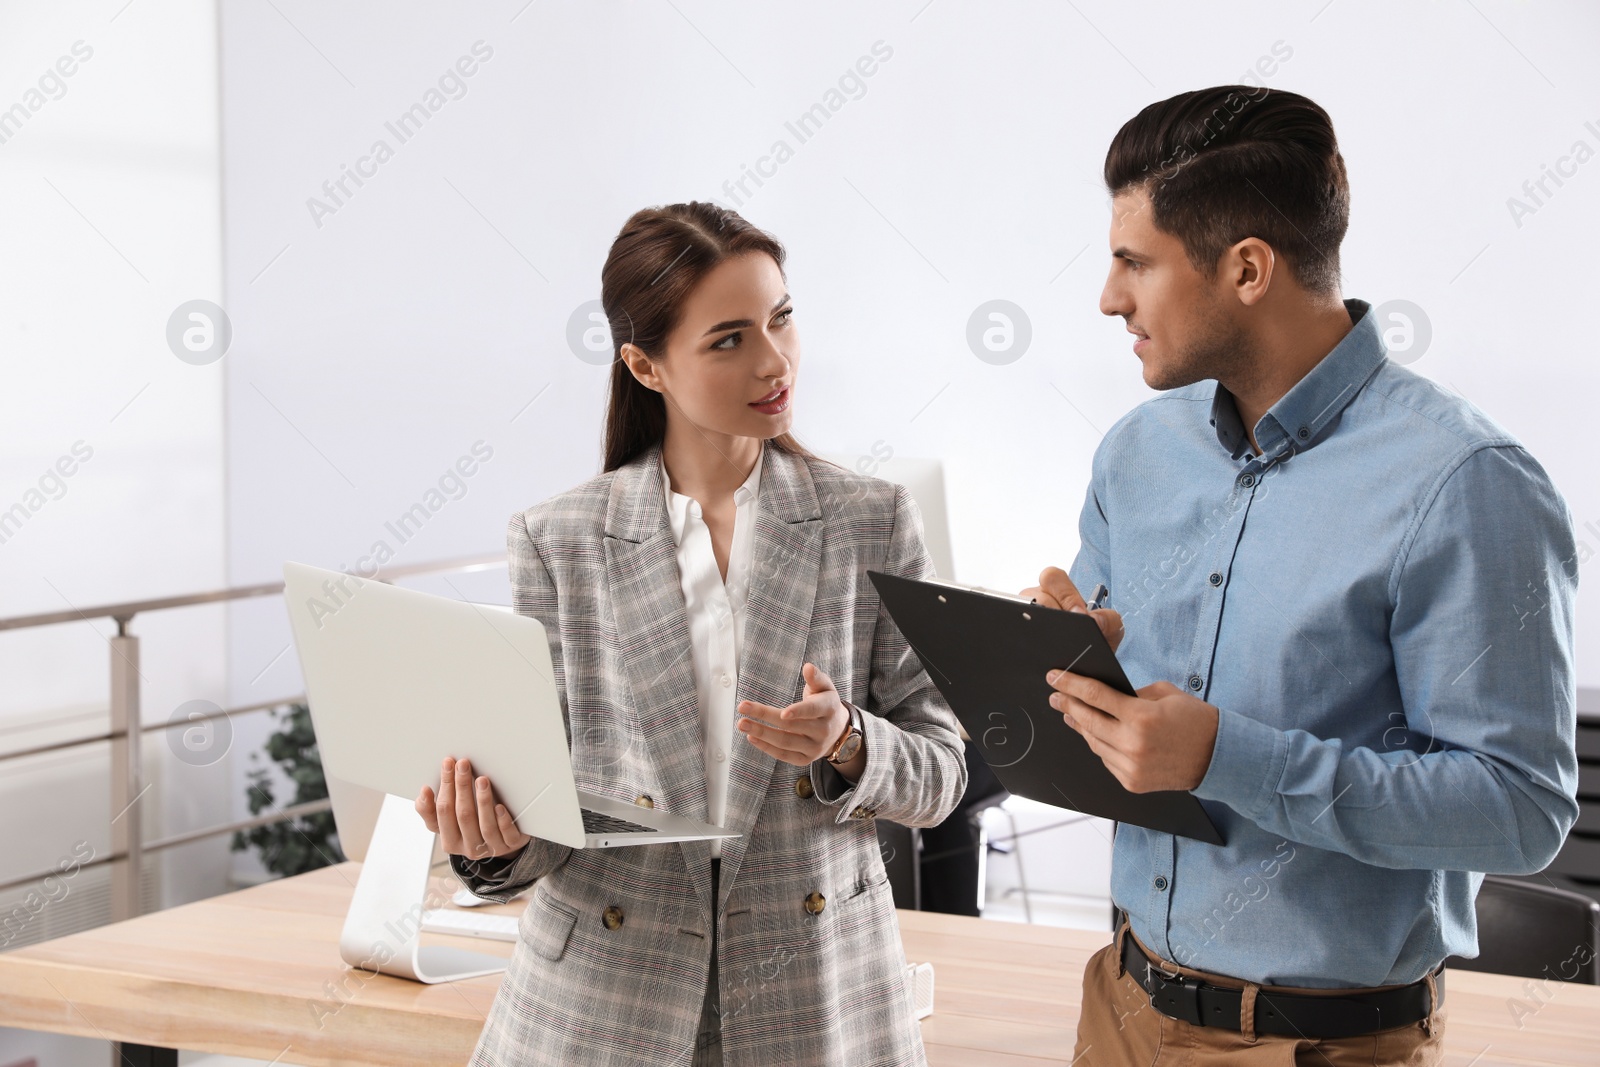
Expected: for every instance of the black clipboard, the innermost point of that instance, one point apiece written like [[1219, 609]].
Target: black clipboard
[[988, 654]]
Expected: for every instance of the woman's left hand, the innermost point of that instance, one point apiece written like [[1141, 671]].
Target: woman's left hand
[[804, 731]]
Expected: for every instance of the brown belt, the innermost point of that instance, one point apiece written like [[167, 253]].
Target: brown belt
[[1289, 1014]]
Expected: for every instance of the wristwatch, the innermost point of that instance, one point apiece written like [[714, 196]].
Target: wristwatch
[[845, 749]]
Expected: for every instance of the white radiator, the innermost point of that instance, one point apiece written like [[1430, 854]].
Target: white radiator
[[63, 805]]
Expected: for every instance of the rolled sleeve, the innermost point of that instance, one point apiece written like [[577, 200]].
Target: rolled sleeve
[[833, 788], [500, 879]]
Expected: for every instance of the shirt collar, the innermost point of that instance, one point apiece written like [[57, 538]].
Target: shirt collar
[[678, 503], [1311, 404]]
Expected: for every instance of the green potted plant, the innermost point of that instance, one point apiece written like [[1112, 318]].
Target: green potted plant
[[291, 846]]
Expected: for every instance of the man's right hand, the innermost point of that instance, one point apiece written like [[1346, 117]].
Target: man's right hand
[[1056, 590], [466, 817]]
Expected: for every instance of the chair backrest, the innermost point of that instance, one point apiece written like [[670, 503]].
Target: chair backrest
[[1535, 931]]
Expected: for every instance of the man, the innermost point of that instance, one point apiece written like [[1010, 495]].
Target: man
[[1346, 600]]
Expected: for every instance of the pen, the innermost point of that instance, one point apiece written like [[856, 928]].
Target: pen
[[1098, 599]]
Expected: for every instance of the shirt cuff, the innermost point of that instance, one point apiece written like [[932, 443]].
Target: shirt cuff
[[486, 872], [1246, 764], [827, 784]]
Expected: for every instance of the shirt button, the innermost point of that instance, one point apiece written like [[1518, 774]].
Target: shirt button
[[612, 917], [644, 800], [1161, 883], [725, 680], [721, 755], [815, 902], [1303, 433], [802, 787], [1214, 578], [1195, 682]]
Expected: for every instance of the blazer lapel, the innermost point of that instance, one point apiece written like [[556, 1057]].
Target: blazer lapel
[[646, 595], [782, 591]]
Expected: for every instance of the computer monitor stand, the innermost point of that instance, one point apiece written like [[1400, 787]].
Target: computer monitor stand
[[384, 925]]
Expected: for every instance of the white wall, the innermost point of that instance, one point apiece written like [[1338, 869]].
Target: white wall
[[112, 221], [376, 343], [109, 180]]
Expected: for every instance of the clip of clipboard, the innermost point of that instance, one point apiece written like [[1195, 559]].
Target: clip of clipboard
[[988, 653]]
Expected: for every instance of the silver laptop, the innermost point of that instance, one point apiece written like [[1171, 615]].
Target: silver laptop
[[398, 679]]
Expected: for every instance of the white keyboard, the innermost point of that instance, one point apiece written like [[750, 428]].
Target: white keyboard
[[470, 924]]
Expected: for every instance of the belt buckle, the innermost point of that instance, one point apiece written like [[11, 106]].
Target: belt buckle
[[1174, 995]]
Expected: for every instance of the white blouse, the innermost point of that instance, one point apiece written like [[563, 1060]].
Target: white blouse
[[716, 612]]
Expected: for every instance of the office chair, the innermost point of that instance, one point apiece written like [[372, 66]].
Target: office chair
[[1013, 848], [899, 845], [1535, 931], [902, 849]]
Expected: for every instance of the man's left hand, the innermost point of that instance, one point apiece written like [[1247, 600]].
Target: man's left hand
[[1159, 740]]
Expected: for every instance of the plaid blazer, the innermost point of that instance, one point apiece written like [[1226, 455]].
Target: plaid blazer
[[799, 985]]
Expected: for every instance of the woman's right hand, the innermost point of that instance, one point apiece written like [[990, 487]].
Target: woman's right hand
[[466, 816]]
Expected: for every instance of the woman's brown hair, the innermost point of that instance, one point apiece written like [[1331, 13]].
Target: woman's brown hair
[[659, 257]]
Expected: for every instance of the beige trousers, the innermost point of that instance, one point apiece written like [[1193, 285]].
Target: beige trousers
[[1119, 1028]]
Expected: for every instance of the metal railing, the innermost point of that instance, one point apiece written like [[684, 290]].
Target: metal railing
[[128, 848]]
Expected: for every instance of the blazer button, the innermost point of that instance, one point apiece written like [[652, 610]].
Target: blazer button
[[863, 813], [612, 917], [802, 786], [644, 800], [815, 902]]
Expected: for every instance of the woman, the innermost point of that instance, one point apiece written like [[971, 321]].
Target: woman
[[709, 614]]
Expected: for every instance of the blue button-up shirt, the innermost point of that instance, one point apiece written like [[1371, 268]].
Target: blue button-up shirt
[[1380, 605]]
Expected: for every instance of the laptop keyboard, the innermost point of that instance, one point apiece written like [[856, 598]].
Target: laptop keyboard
[[596, 823]]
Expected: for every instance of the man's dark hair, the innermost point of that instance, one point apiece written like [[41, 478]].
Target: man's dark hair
[[1238, 161]]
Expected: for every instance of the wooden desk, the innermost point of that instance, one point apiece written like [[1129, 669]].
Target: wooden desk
[[257, 973]]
